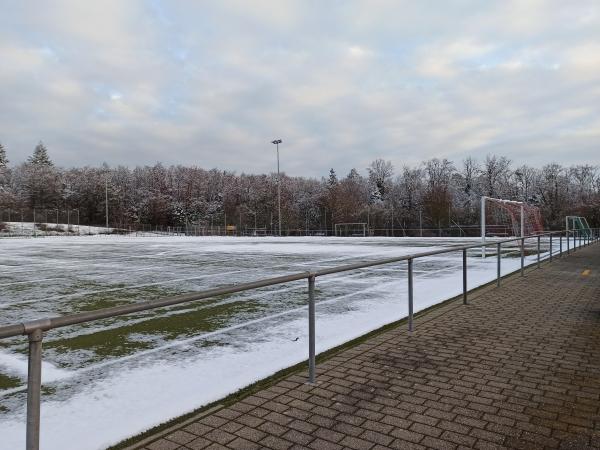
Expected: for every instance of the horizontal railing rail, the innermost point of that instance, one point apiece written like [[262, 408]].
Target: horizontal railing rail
[[35, 328]]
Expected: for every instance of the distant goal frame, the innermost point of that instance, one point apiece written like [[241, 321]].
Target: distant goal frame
[[338, 226], [584, 225]]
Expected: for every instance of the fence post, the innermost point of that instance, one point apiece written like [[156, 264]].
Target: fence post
[[311, 329], [34, 386], [464, 261], [410, 295], [538, 251], [550, 247], [522, 256], [560, 245], [568, 244], [499, 256]]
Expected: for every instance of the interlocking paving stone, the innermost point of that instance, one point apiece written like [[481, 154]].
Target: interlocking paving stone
[[519, 367]]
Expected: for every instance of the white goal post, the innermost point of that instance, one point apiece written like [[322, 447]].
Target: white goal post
[[351, 229], [484, 199], [508, 218]]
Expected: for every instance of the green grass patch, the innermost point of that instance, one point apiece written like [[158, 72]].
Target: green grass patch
[[122, 341], [8, 382]]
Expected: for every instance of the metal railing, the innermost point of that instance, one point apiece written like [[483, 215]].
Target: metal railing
[[35, 329]]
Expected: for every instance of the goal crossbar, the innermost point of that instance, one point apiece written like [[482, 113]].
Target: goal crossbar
[[524, 219], [361, 226], [484, 199]]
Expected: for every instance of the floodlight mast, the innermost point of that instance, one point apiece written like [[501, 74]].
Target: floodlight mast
[[277, 142]]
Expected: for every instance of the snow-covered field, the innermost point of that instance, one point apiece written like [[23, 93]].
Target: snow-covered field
[[107, 380], [16, 229]]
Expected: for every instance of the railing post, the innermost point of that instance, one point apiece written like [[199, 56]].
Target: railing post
[[568, 244], [573, 244], [499, 256], [550, 247], [538, 251], [522, 256], [464, 267], [311, 329], [34, 386], [410, 295], [560, 245]]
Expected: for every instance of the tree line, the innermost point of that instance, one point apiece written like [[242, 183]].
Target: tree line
[[436, 194]]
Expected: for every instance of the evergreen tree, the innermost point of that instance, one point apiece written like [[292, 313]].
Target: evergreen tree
[[333, 181], [40, 156], [353, 175], [3, 158]]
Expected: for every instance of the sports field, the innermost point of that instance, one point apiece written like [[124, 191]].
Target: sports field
[[122, 375]]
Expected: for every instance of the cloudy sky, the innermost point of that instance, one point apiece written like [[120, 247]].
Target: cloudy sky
[[341, 82]]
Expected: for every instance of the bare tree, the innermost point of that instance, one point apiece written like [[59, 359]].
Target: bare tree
[[495, 174], [380, 174]]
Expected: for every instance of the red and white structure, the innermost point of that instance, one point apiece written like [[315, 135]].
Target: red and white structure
[[506, 218]]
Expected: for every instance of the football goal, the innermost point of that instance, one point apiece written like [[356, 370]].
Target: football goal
[[578, 223], [351, 229], [261, 231], [508, 218]]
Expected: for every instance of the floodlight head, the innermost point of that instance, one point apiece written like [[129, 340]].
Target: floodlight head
[[276, 141]]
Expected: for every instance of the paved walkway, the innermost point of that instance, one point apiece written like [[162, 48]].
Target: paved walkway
[[519, 367]]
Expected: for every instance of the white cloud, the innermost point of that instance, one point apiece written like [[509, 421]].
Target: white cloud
[[342, 83]]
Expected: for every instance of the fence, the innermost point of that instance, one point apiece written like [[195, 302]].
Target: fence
[[35, 329], [42, 229]]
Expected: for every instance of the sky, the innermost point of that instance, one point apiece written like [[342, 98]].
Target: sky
[[340, 82]]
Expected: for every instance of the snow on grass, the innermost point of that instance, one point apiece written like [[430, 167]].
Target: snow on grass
[[107, 380], [49, 229]]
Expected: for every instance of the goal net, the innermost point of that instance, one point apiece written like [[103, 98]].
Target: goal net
[[258, 231], [351, 229], [506, 218], [578, 223]]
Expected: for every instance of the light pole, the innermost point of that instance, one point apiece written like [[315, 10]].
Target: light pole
[[277, 142], [106, 199], [77, 209]]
